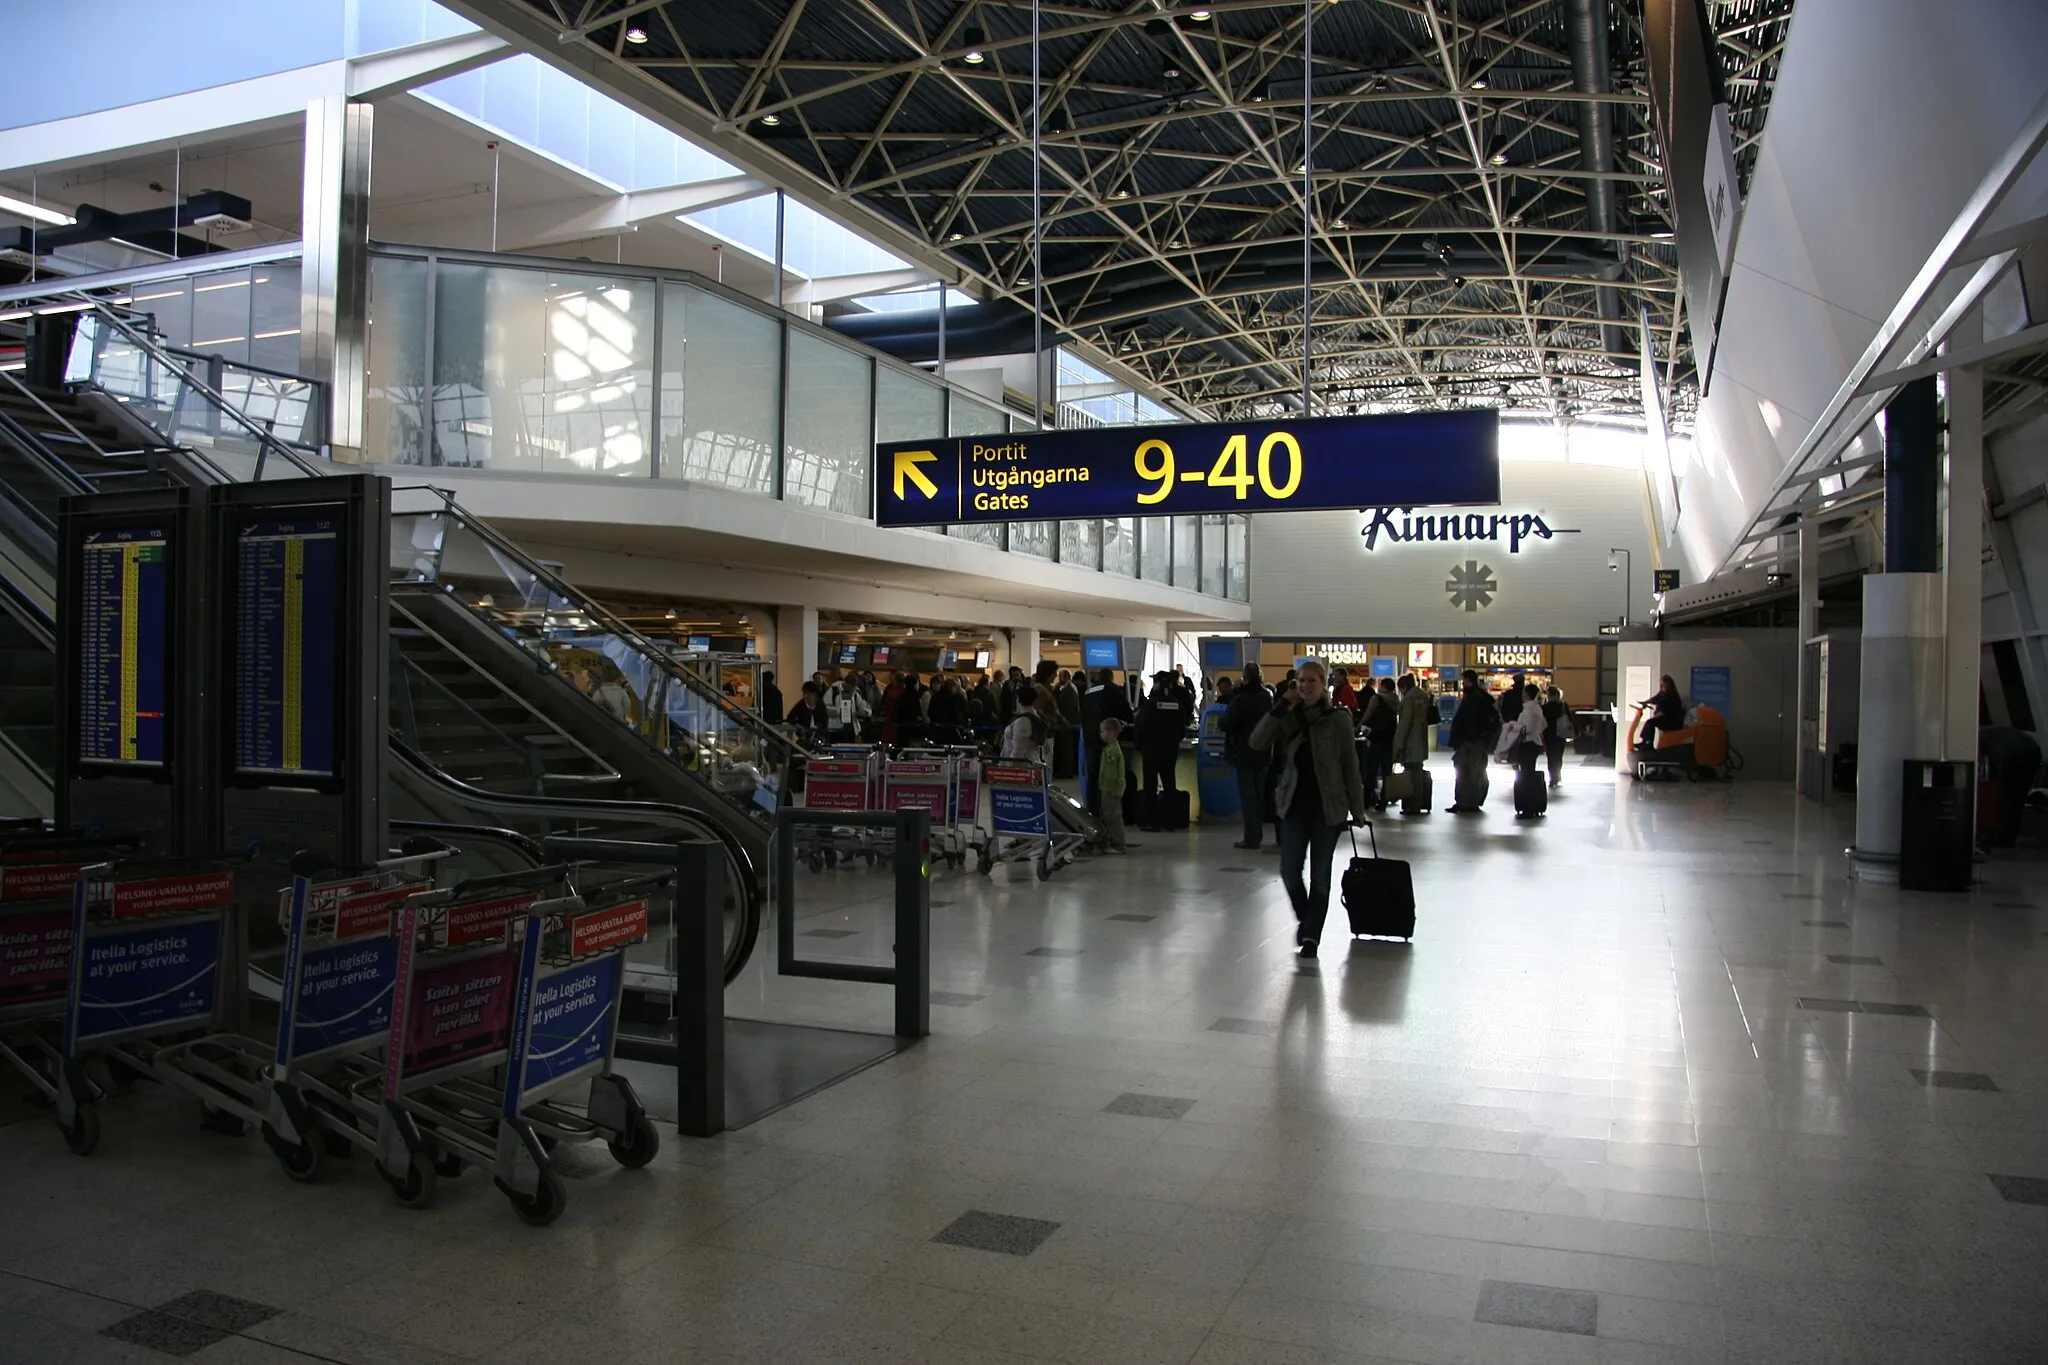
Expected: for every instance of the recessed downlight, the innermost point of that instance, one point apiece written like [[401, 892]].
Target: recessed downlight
[[636, 35]]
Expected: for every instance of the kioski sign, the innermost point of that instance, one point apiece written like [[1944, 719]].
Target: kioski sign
[[1400, 526]]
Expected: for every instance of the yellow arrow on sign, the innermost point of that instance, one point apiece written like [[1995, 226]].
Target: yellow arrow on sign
[[907, 462]]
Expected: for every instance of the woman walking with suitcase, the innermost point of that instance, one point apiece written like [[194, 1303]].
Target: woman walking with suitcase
[[1316, 792]]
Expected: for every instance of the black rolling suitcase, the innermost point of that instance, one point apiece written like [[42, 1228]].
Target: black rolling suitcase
[[1174, 806], [1532, 793], [1379, 893]]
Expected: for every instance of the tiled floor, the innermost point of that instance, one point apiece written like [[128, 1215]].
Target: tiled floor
[[1636, 1094]]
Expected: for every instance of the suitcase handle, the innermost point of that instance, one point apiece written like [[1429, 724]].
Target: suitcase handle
[[1371, 833]]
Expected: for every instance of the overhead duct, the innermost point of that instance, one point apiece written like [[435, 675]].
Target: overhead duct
[[151, 229], [1593, 74]]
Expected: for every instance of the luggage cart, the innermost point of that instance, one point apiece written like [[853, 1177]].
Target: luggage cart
[[843, 777], [486, 970], [148, 944], [37, 873], [1021, 827], [340, 971], [928, 780]]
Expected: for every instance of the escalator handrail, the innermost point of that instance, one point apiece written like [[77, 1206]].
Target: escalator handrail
[[57, 416], [525, 845], [266, 442], [607, 773], [23, 608], [610, 624], [571, 807]]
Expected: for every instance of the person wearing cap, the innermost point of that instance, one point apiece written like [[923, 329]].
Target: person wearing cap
[[1162, 724]]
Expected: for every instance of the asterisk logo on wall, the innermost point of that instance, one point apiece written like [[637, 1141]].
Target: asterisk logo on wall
[[1472, 586]]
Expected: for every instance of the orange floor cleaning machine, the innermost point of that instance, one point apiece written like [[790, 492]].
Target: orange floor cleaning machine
[[1699, 751]]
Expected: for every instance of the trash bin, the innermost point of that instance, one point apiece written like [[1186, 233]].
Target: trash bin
[[1937, 826]]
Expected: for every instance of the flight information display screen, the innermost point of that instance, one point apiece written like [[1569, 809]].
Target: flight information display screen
[[287, 632], [124, 611]]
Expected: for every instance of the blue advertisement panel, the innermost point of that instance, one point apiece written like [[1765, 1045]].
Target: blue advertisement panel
[[1406, 459], [344, 995], [571, 1026], [1386, 666], [150, 976], [1713, 686], [1102, 653], [1017, 810]]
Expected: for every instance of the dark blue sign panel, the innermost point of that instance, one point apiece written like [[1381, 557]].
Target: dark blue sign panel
[[1102, 653], [287, 621], [152, 976], [572, 1020], [124, 608], [345, 993], [1417, 459], [1018, 810], [1713, 686]]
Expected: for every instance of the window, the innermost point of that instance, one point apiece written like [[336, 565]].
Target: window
[[1212, 555], [1155, 540], [1081, 544], [970, 418], [1186, 537], [722, 377], [1237, 556], [395, 374], [829, 427], [1120, 546]]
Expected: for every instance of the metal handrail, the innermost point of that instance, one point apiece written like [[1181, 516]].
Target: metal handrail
[[265, 441], [535, 769], [56, 416], [561, 587], [608, 773]]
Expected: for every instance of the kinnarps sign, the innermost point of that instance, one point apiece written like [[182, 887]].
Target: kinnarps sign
[[1388, 460], [1400, 526]]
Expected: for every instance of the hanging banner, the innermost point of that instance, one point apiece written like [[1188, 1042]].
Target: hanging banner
[[1402, 459]]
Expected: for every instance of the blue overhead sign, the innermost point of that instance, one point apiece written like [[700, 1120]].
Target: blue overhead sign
[[1407, 459]]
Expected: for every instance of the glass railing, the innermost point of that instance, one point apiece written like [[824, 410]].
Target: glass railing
[[247, 420], [641, 684]]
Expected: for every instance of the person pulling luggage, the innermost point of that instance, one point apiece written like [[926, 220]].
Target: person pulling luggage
[[1317, 792], [1475, 728], [1249, 704]]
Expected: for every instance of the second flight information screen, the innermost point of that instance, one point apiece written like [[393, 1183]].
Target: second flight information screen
[[287, 625]]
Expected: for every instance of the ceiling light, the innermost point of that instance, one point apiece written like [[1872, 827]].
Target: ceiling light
[[955, 236], [1479, 82], [974, 58], [1497, 159], [1171, 73], [1457, 281], [771, 120], [1338, 223], [1663, 234], [636, 35], [1200, 16], [21, 208], [1121, 194], [1176, 245], [973, 37]]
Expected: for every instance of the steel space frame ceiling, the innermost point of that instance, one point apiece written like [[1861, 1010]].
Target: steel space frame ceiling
[[1487, 189]]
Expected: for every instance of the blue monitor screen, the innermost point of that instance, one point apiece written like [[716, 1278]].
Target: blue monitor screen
[[848, 655], [1223, 654], [1102, 653], [700, 642]]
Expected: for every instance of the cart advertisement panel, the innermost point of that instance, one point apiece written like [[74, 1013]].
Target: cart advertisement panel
[[344, 995], [35, 957], [836, 784], [37, 881], [458, 1011], [1016, 810], [164, 895], [917, 784], [145, 977], [571, 1027]]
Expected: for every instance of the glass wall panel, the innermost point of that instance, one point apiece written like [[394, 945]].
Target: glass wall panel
[[972, 418], [542, 371], [1081, 544], [1032, 538], [395, 376], [907, 408], [1120, 546], [721, 377], [274, 316], [1238, 539], [1212, 554], [220, 315], [1186, 537], [829, 426], [1155, 538]]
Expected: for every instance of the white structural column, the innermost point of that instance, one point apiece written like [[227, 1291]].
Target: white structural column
[[1812, 744], [334, 281], [1024, 648], [1900, 708], [796, 650], [1962, 545]]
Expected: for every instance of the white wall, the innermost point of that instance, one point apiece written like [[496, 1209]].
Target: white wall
[[1885, 116], [1314, 578]]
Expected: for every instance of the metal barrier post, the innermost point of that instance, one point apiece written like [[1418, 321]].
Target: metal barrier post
[[700, 988], [913, 924]]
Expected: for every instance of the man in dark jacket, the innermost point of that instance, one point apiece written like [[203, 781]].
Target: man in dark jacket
[[1248, 705], [771, 699], [1162, 724], [1105, 700], [1475, 725]]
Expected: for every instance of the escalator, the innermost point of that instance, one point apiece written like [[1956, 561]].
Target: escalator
[[488, 728]]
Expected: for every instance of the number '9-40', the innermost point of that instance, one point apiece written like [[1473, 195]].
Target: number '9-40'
[[1154, 461]]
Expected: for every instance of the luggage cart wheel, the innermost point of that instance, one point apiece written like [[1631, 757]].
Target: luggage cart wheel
[[415, 1189], [301, 1160], [83, 1135], [1044, 870], [636, 1146], [984, 862], [545, 1205]]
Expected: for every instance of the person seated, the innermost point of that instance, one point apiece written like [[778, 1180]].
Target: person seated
[[1667, 713]]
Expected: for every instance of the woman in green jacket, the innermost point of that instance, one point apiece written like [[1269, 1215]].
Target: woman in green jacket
[[1317, 793]]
